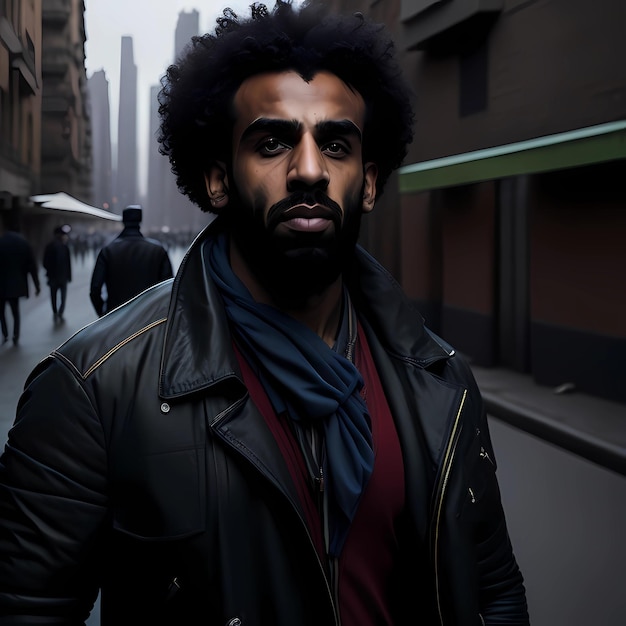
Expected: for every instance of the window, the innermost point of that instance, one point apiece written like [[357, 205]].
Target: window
[[473, 80]]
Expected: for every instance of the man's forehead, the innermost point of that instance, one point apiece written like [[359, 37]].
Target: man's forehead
[[286, 95]]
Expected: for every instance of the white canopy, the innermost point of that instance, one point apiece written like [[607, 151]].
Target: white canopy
[[62, 201]]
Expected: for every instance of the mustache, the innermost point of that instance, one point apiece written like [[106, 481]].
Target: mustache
[[276, 212]]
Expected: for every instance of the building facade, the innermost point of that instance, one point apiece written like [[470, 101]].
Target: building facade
[[65, 123], [45, 128], [505, 222], [20, 102], [102, 171]]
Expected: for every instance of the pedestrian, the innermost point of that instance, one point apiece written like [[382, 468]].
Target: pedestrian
[[57, 262], [273, 438], [17, 261], [128, 265]]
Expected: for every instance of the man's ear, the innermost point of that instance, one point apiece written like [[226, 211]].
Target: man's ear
[[216, 181], [370, 175]]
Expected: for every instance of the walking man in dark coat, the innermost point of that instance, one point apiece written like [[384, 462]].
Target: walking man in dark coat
[[58, 264], [17, 261], [128, 265]]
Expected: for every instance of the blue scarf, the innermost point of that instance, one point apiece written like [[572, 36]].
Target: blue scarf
[[310, 382]]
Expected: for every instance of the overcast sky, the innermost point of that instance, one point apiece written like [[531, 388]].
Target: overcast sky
[[151, 24]]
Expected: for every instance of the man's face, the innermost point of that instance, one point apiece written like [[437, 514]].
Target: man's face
[[297, 185]]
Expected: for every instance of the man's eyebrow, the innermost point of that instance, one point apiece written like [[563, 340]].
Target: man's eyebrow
[[327, 128], [271, 126]]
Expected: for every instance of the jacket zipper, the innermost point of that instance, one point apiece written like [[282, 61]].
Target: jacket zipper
[[441, 492], [333, 565]]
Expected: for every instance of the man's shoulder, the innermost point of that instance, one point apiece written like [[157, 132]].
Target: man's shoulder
[[140, 320]]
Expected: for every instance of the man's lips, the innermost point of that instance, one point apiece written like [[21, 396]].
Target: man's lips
[[307, 218], [309, 225]]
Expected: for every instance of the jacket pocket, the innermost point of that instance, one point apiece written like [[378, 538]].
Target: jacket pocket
[[481, 487], [161, 496]]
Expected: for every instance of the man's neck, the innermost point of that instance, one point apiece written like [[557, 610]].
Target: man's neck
[[321, 312]]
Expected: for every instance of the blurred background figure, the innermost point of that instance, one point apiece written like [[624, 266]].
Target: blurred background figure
[[58, 265], [17, 261], [128, 265]]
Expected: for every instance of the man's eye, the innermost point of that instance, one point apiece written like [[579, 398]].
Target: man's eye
[[335, 148], [272, 146]]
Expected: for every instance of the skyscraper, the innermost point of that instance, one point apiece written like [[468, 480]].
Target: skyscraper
[[187, 26], [166, 204], [102, 172], [126, 188], [160, 177]]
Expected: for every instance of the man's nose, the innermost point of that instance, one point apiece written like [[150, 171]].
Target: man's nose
[[307, 166]]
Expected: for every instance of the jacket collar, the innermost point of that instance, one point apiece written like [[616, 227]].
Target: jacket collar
[[395, 319], [197, 350]]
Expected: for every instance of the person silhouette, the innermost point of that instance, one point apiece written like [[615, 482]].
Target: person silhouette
[[57, 262], [128, 265], [17, 261]]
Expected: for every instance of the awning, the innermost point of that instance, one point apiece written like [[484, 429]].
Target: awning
[[62, 201], [585, 146]]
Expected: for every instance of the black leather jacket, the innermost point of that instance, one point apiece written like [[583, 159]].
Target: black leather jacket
[[139, 464]]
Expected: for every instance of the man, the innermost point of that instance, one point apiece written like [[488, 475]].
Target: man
[[58, 265], [128, 265], [274, 438], [17, 261]]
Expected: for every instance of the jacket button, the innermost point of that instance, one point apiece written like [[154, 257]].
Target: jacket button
[[165, 408]]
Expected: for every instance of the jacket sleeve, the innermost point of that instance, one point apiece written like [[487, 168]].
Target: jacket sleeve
[[53, 502]]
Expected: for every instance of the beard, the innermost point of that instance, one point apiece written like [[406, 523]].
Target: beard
[[294, 265]]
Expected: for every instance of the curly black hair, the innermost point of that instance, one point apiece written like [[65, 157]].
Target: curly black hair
[[195, 101]]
